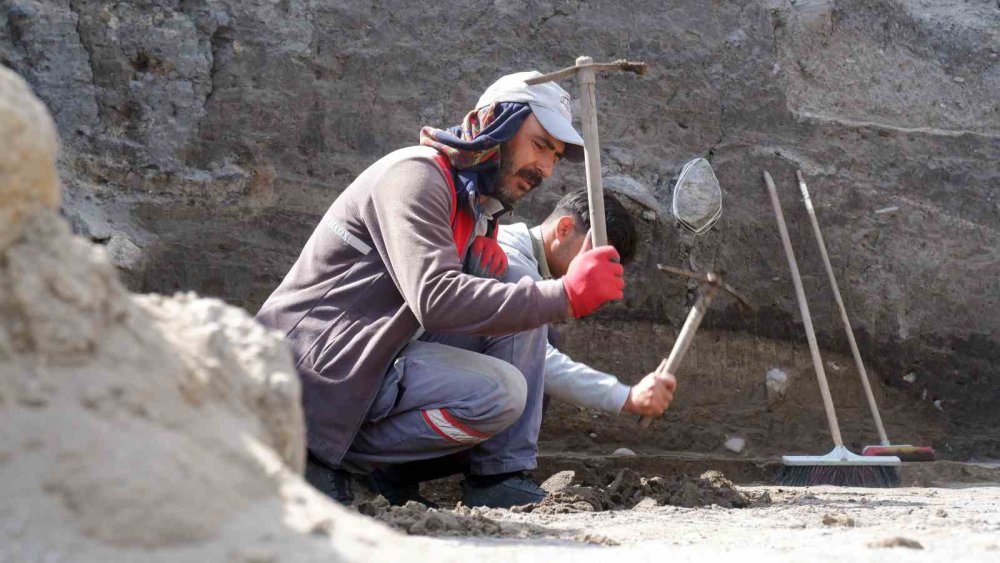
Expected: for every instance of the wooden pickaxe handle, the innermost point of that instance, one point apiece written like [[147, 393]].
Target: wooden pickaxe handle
[[684, 339], [585, 71]]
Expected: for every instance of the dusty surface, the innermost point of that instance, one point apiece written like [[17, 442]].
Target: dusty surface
[[945, 507], [953, 519], [819, 523]]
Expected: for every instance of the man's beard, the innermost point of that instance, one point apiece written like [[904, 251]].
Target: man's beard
[[504, 194]]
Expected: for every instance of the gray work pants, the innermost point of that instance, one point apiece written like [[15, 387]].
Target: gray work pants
[[448, 393]]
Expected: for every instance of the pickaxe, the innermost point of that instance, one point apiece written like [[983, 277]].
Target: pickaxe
[[713, 283], [585, 71]]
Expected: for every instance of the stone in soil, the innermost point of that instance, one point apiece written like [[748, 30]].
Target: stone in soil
[[897, 542]]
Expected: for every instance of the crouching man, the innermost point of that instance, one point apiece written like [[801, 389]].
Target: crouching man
[[495, 469], [385, 264]]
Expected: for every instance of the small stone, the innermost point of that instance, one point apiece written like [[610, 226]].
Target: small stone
[[32, 393], [253, 555], [649, 215], [958, 79], [838, 520], [735, 444], [897, 542], [910, 377], [776, 383], [592, 435], [937, 405], [646, 503], [124, 253], [623, 451], [941, 513], [558, 482]]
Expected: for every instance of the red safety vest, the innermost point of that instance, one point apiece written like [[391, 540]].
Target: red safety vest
[[462, 223]]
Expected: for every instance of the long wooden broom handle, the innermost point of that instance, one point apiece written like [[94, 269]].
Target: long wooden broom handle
[[800, 295], [843, 311]]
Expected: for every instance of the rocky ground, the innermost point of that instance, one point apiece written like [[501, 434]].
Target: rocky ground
[[954, 513], [818, 524]]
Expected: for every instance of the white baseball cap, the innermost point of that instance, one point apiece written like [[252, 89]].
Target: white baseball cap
[[548, 102]]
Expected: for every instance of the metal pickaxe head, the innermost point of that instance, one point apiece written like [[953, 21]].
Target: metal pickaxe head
[[586, 63], [710, 279], [713, 282]]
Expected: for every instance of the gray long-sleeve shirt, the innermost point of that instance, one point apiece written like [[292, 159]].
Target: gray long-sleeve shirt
[[565, 379], [381, 264]]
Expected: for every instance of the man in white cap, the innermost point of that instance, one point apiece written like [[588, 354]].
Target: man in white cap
[[385, 264]]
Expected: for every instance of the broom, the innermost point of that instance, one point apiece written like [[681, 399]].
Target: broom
[[839, 467], [903, 452]]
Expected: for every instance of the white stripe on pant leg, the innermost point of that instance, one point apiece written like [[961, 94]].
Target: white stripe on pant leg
[[438, 421]]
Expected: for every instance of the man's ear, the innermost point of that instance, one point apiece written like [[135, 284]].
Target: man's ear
[[565, 228]]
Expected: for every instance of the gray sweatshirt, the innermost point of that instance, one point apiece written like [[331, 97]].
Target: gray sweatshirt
[[380, 265], [565, 379]]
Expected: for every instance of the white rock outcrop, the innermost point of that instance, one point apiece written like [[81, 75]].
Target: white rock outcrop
[[27, 159]]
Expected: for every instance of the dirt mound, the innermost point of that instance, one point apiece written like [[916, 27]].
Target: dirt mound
[[627, 489]]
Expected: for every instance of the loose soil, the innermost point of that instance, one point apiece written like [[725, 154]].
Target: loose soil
[[951, 519], [627, 489], [621, 490]]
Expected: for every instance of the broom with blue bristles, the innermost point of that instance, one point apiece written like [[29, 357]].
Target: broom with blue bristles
[[840, 466]]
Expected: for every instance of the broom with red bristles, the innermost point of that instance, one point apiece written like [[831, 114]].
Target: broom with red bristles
[[903, 452], [841, 466]]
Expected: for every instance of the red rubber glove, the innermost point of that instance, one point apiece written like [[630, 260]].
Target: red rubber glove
[[593, 278], [486, 259]]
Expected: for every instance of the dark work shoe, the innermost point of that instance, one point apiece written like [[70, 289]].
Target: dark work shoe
[[338, 484], [398, 493], [500, 491], [400, 482]]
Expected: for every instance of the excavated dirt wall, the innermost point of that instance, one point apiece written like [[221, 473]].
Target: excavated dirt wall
[[203, 138]]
